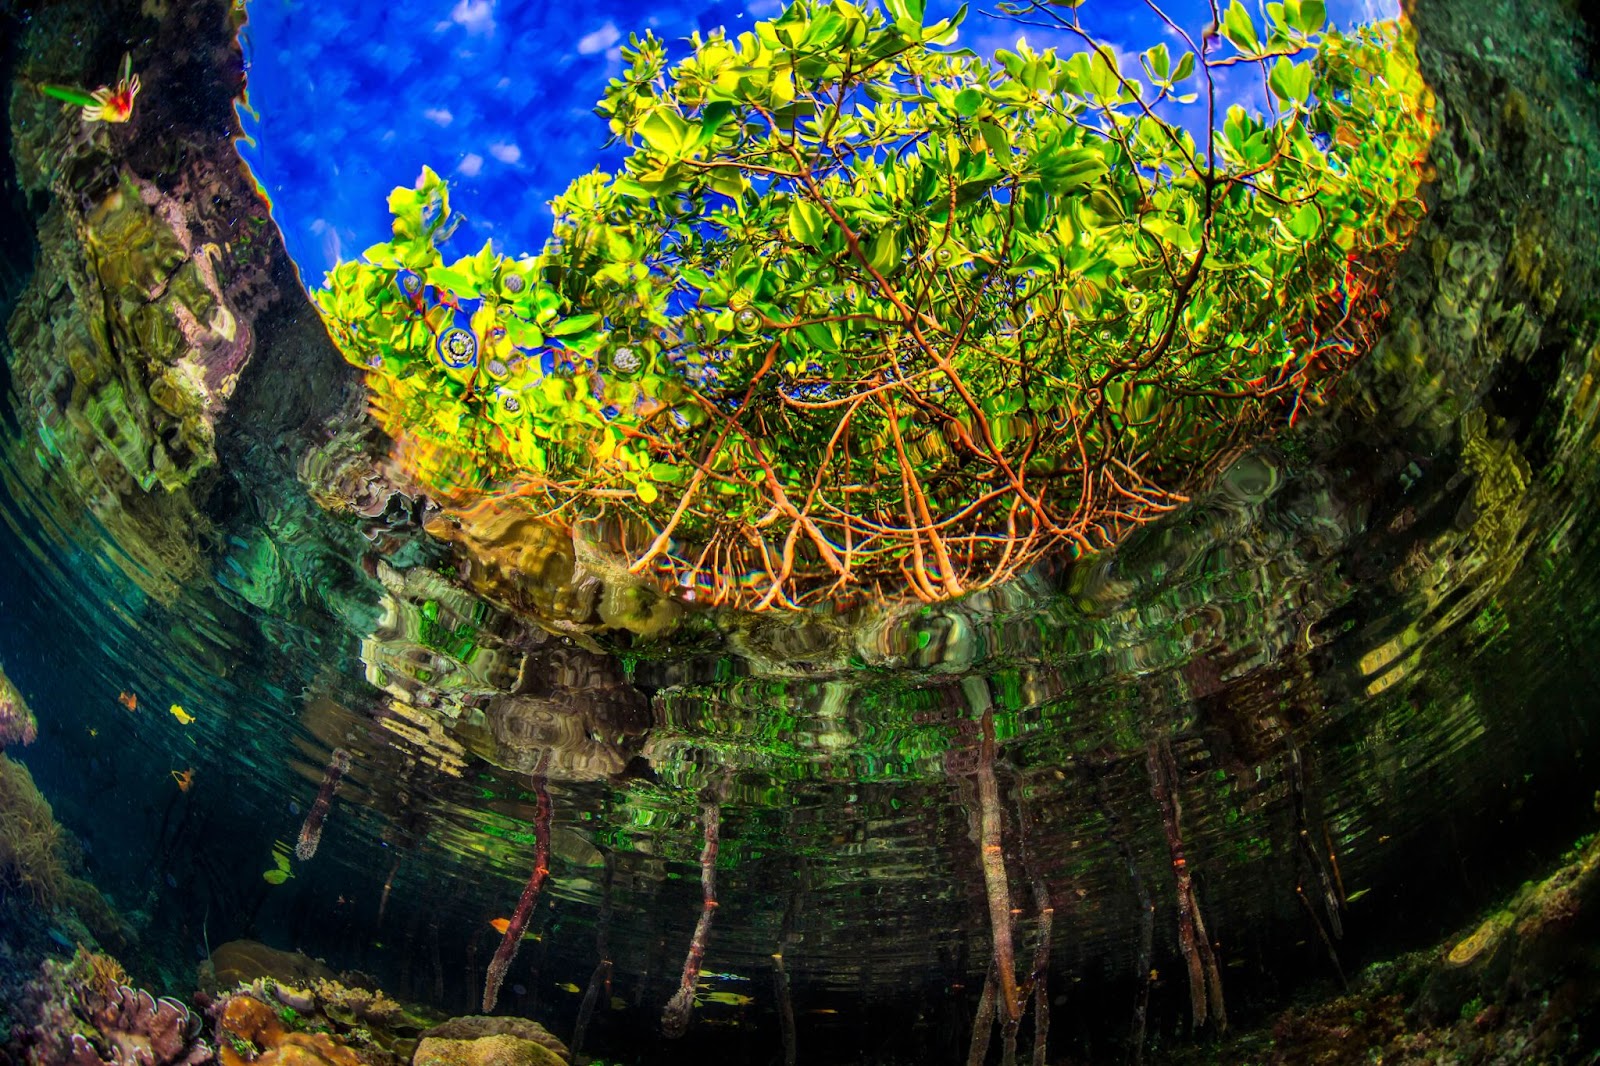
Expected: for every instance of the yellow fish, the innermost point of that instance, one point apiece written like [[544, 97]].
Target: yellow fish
[[732, 999], [183, 716], [568, 986]]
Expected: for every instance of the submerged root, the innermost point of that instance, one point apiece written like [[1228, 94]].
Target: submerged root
[[507, 951], [675, 1018], [1205, 978]]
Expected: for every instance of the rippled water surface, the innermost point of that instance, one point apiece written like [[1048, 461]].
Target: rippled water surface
[[1346, 695]]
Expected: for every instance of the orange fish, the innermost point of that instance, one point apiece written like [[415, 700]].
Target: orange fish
[[184, 779], [500, 925], [128, 700]]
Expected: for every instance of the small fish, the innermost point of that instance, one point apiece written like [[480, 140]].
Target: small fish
[[184, 778], [93, 732], [128, 700], [1357, 894], [500, 925], [822, 1010], [731, 999], [183, 716], [568, 986], [618, 1003]]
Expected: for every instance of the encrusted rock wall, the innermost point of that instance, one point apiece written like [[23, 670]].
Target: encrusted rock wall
[[154, 258]]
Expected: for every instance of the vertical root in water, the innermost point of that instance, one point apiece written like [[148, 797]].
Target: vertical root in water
[[983, 1024], [675, 1018], [388, 887], [600, 980], [1039, 977], [1147, 923], [311, 828], [996, 886], [1205, 979], [1008, 1043], [1312, 859], [780, 973], [1041, 972], [530, 895], [780, 985]]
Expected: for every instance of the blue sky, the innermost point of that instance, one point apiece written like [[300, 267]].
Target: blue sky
[[351, 99]]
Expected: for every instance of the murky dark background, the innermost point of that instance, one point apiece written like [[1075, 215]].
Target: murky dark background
[[1362, 661]]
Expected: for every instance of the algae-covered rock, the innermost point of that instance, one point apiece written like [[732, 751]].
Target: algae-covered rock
[[479, 1040], [500, 1050], [242, 961], [519, 560], [153, 260], [17, 724]]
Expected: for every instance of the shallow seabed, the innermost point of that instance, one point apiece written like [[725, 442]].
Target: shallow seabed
[[1345, 701]]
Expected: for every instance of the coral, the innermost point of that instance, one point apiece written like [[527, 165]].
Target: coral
[[30, 839], [310, 1049], [250, 1030], [267, 1021], [82, 1014], [17, 724], [351, 1006], [246, 1020]]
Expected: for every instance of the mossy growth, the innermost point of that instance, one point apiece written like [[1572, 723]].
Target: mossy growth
[[30, 838], [33, 847]]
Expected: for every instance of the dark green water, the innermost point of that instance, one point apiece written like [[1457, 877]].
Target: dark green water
[[1352, 684]]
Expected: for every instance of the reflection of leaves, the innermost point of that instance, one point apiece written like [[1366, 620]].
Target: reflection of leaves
[[1004, 243], [280, 859]]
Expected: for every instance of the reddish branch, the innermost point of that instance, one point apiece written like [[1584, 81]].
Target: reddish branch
[[530, 895], [311, 828], [675, 1019]]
